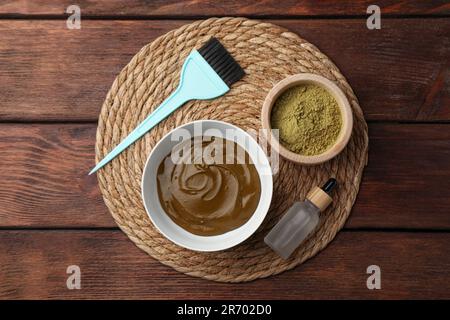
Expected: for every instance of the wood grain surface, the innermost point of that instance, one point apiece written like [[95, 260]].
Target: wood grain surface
[[44, 181], [186, 8], [52, 84], [33, 265], [52, 73]]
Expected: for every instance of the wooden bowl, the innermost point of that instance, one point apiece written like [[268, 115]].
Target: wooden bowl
[[342, 101]]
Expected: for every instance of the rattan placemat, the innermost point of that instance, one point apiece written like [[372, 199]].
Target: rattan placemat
[[268, 54]]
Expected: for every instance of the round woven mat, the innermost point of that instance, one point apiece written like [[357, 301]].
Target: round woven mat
[[268, 54]]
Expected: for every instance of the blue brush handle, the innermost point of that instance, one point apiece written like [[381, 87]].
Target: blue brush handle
[[197, 81], [174, 101]]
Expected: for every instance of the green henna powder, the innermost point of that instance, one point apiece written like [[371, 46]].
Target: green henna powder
[[308, 119]]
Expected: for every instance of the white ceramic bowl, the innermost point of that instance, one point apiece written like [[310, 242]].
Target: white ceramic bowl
[[179, 235]]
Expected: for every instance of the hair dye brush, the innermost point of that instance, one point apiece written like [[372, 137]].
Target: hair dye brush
[[206, 74]]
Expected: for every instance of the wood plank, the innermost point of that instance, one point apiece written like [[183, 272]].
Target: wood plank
[[400, 72], [406, 178], [178, 8], [44, 182], [33, 266]]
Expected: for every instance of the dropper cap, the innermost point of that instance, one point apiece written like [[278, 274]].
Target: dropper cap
[[320, 197], [329, 185]]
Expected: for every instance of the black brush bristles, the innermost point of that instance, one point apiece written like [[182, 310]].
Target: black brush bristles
[[221, 61]]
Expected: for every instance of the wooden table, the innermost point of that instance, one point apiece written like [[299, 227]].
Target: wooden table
[[52, 84]]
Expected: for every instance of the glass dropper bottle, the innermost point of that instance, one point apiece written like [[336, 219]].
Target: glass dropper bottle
[[299, 221]]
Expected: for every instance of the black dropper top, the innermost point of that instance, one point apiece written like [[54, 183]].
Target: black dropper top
[[329, 185]]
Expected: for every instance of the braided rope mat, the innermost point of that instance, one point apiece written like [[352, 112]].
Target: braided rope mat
[[268, 54]]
